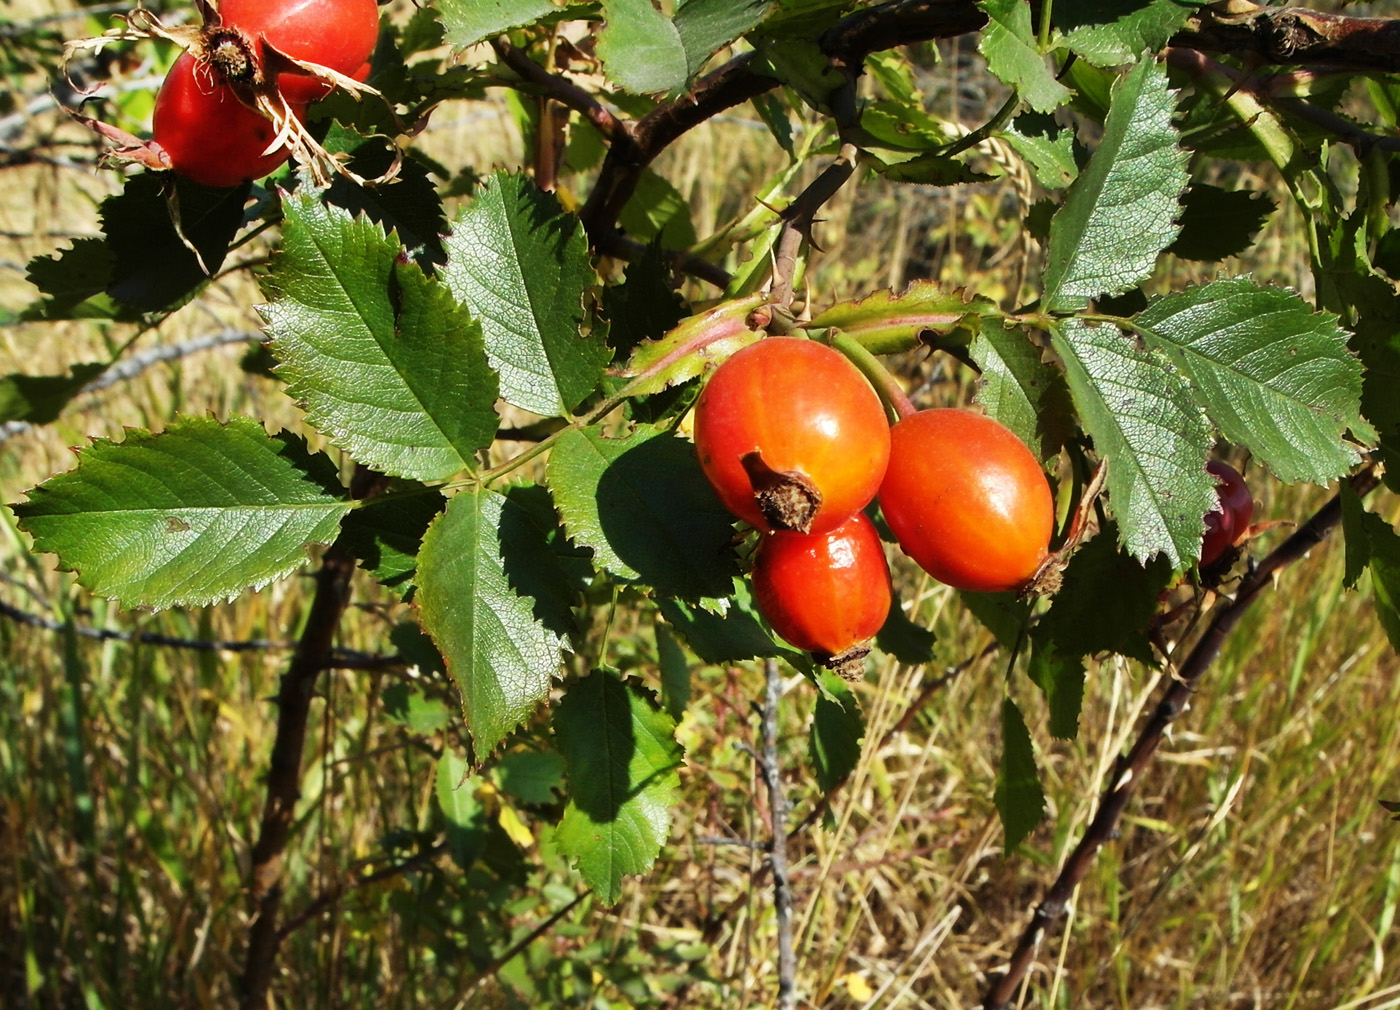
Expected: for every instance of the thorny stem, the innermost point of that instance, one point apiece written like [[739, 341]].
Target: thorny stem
[[1129, 769], [801, 214], [777, 856]]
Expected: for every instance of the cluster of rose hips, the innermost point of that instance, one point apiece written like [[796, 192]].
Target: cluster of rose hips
[[232, 106], [796, 442]]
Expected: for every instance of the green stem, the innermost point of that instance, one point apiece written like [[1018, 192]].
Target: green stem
[[1046, 8], [891, 392]]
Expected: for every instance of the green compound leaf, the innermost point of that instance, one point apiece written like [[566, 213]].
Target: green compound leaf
[[645, 508], [1009, 45], [467, 22], [1019, 798], [622, 761], [189, 516], [1145, 424], [1021, 391], [1276, 376], [837, 730], [1120, 213], [501, 644], [1110, 32], [521, 265], [389, 366]]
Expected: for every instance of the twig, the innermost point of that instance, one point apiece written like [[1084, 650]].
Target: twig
[[284, 770], [513, 951], [333, 894], [801, 214], [1129, 769], [630, 249], [561, 89], [1293, 36], [777, 855]]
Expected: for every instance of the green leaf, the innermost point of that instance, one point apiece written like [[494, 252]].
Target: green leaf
[[1053, 151], [467, 22], [521, 265], [501, 647], [1145, 423], [1021, 391], [1373, 541], [885, 322], [1216, 223], [675, 672], [72, 277], [391, 368], [658, 212], [837, 730], [644, 506], [411, 207], [622, 764], [1019, 798], [1060, 676], [1008, 43], [707, 26], [931, 169], [1276, 376], [1005, 615], [39, 399], [192, 515], [455, 789], [731, 635], [643, 307], [386, 534], [534, 777], [901, 638], [1111, 32], [1120, 213], [641, 48], [1377, 341]]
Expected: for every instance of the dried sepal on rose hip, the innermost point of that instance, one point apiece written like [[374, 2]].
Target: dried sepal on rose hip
[[827, 593], [791, 436], [263, 59]]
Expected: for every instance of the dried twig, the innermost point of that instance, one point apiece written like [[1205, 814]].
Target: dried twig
[[777, 853]]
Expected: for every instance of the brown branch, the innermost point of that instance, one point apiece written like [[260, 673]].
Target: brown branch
[[772, 769], [801, 215], [1130, 768], [284, 770], [1292, 36], [561, 89], [630, 249]]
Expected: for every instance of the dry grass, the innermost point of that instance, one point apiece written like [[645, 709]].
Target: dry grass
[[1255, 869]]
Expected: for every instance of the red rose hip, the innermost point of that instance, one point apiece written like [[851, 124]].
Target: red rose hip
[[828, 593], [967, 500], [791, 436]]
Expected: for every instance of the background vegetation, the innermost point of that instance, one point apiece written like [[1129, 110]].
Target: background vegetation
[[1255, 868]]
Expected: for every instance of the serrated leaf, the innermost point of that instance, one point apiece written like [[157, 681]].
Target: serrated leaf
[[71, 277], [1377, 342], [707, 26], [1216, 223], [1020, 390], [39, 399], [658, 212], [641, 48], [1005, 615], [691, 347], [1053, 151], [1019, 798], [837, 730], [467, 22], [1276, 376], [932, 169], [1008, 43], [1110, 32], [189, 516], [1145, 424], [501, 647], [410, 208], [455, 789], [675, 672], [622, 765], [386, 534], [1120, 213], [390, 367], [521, 265], [885, 322], [644, 506]]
